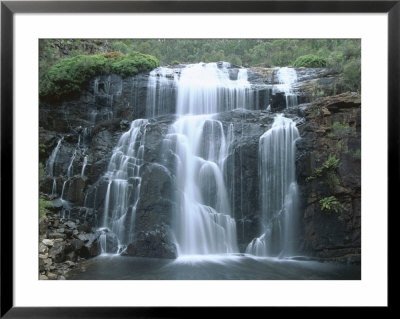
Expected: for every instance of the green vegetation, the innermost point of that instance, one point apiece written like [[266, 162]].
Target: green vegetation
[[339, 129], [327, 168], [42, 172], [43, 204], [330, 204], [341, 55], [42, 148], [328, 171], [357, 154], [66, 78], [310, 61]]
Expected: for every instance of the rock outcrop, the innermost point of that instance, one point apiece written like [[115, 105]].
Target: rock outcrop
[[332, 130]]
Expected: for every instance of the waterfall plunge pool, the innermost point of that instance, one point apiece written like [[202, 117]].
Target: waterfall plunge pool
[[212, 267]]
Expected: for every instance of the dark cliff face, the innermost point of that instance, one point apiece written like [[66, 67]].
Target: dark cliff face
[[91, 127], [332, 129]]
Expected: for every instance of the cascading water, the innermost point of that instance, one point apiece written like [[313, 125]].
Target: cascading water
[[85, 159], [286, 78], [123, 176], [160, 92], [203, 221], [207, 89], [278, 190], [205, 218], [52, 158]]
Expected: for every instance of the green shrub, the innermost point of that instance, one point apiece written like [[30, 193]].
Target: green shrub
[[43, 204], [310, 61], [330, 204], [328, 167], [339, 129], [175, 62], [357, 154], [67, 78], [352, 75], [335, 61]]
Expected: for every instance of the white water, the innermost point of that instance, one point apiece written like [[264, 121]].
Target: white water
[[52, 158], [207, 89], [85, 159], [124, 182], [204, 221], [160, 91], [287, 77], [204, 224], [278, 188]]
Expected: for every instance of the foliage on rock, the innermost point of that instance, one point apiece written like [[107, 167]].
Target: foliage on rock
[[43, 204], [65, 79], [330, 165], [330, 204], [310, 61]]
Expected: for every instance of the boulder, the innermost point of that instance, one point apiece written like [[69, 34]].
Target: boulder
[[58, 252], [75, 189], [156, 244]]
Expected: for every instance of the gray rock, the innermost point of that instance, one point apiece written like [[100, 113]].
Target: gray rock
[[48, 242], [70, 224], [58, 252], [156, 244], [51, 276], [56, 235]]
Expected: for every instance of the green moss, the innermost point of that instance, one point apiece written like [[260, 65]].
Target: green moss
[[310, 61], [43, 204], [66, 79]]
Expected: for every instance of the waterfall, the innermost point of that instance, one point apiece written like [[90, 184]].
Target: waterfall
[[278, 190], [197, 148], [85, 159], [286, 78], [208, 88], [123, 176], [52, 158], [203, 223], [160, 91]]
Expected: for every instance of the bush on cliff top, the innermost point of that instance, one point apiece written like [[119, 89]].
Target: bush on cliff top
[[66, 78], [310, 61]]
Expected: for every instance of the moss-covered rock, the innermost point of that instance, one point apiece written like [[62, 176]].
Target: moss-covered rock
[[66, 79]]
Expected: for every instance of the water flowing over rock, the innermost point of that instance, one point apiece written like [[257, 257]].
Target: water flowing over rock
[[203, 223], [277, 155], [287, 77], [194, 160], [124, 182]]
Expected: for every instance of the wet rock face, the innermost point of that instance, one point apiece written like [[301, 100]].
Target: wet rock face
[[93, 125], [155, 243], [333, 128], [75, 189]]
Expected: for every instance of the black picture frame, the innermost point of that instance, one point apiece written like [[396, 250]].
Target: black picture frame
[[9, 8]]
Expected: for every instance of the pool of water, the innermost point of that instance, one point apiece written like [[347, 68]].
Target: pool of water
[[213, 267]]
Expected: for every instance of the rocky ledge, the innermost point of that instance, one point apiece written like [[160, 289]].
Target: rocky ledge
[[64, 244]]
